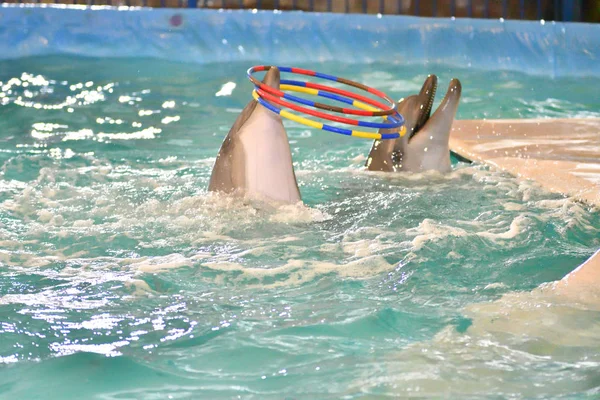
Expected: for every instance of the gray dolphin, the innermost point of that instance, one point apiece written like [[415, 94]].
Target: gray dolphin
[[425, 144], [255, 158]]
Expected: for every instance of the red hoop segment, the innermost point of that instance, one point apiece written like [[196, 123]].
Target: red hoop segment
[[385, 109]]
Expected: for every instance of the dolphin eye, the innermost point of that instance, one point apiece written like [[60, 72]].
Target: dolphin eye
[[396, 157]]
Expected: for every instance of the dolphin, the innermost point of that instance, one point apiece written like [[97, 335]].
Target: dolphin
[[255, 159], [425, 144]]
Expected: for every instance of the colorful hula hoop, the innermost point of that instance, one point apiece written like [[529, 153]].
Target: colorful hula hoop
[[390, 109], [334, 94], [267, 96], [320, 125], [315, 113]]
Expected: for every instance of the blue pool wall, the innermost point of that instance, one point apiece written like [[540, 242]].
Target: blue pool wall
[[273, 37]]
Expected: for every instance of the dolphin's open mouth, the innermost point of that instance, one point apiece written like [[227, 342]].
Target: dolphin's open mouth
[[426, 97]]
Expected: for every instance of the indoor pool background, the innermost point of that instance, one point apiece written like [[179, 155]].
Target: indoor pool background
[[121, 277]]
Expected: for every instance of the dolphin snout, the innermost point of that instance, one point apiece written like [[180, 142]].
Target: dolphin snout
[[450, 102], [272, 77], [455, 88]]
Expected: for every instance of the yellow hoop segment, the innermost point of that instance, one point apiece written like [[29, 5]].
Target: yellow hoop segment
[[319, 125]]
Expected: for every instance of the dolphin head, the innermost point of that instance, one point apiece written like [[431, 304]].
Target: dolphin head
[[255, 158], [425, 144], [416, 109]]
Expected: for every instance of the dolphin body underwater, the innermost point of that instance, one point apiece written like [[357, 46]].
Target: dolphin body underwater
[[255, 159], [425, 146]]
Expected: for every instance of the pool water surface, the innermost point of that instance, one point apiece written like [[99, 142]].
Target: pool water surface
[[121, 277]]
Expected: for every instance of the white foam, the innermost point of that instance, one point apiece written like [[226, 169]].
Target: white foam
[[140, 288], [454, 256], [496, 285], [83, 223], [512, 206], [45, 216], [366, 247], [572, 212], [158, 264], [296, 272], [288, 239], [298, 213], [516, 227], [431, 231]]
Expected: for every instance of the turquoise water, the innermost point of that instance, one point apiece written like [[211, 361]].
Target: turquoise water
[[120, 277]]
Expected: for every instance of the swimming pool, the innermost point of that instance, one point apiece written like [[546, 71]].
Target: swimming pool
[[121, 277]]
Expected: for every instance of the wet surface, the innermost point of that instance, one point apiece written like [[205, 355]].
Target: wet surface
[[563, 155], [122, 277]]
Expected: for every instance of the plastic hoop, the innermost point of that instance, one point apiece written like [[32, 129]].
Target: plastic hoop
[[395, 122], [320, 125], [384, 110]]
